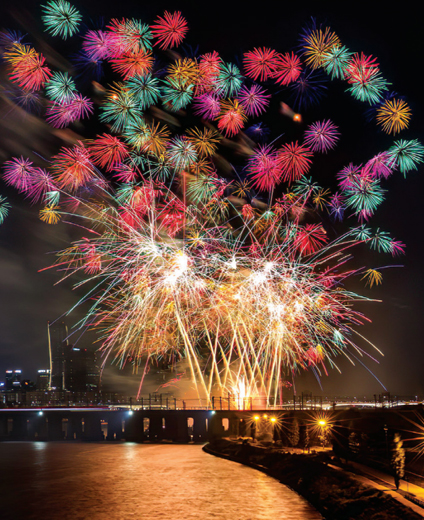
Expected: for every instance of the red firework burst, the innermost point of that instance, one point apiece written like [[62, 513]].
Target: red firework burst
[[260, 63], [287, 69], [170, 30], [294, 161], [108, 151]]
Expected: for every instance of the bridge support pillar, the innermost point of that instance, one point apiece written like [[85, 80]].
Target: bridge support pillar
[[3, 427], [75, 427], [92, 427], [54, 427], [200, 432], [134, 427], [114, 428], [19, 429], [156, 430]]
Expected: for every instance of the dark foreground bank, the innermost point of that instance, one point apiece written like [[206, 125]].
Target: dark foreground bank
[[333, 492]]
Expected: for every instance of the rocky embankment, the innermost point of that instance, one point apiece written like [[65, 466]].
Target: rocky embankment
[[333, 492]]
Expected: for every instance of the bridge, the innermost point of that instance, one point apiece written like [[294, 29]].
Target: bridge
[[165, 425]]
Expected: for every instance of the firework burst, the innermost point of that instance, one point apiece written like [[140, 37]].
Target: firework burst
[[205, 246]]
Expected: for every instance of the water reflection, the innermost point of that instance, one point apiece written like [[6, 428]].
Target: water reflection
[[124, 481]]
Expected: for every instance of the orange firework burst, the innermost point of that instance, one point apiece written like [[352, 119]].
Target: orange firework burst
[[205, 140], [394, 115], [133, 63], [73, 167]]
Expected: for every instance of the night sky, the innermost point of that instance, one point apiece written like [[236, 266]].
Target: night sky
[[28, 298]]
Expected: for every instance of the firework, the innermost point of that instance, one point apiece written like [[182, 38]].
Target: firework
[[145, 88], [133, 63], [294, 160], [260, 63], [308, 89], [127, 36], [60, 87], [229, 80], [287, 68], [207, 106], [231, 118], [28, 69], [170, 30], [207, 244], [407, 154], [178, 94], [393, 116], [61, 18], [97, 44], [4, 208], [254, 100], [316, 43], [336, 60], [363, 74], [321, 136]]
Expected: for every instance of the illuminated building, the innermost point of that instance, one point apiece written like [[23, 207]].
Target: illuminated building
[[43, 379], [13, 379]]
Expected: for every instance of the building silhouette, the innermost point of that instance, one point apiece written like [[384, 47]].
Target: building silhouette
[[13, 379], [72, 368], [58, 345], [43, 380], [81, 373]]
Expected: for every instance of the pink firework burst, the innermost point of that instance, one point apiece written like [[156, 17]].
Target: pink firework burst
[[60, 115], [108, 151], [322, 136], [97, 44], [288, 68], [170, 30], [207, 106], [18, 173], [381, 165], [294, 161], [347, 176], [41, 183], [81, 105], [125, 173], [254, 100], [260, 63], [264, 168]]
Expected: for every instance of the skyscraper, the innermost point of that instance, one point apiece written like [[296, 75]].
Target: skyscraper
[[81, 373], [43, 380], [58, 347], [13, 379]]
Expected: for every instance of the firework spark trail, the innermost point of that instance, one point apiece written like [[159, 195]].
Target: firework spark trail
[[230, 267]]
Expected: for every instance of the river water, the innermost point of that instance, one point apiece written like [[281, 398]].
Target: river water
[[123, 481]]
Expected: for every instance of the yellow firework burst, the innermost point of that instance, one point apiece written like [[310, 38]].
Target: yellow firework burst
[[394, 115], [320, 199], [185, 70], [372, 277], [50, 214], [205, 140], [316, 44]]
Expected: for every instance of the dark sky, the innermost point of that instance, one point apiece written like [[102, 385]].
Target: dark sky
[[28, 298]]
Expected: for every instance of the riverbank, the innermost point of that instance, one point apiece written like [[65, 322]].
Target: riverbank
[[335, 493]]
